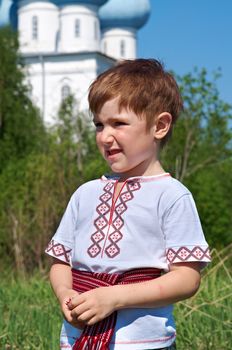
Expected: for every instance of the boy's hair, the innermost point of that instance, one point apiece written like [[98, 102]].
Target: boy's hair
[[143, 86]]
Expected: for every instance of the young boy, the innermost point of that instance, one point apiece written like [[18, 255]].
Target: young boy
[[130, 244]]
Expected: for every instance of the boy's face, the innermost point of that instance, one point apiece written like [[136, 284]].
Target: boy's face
[[124, 142]]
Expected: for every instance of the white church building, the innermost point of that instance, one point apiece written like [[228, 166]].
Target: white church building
[[67, 43]]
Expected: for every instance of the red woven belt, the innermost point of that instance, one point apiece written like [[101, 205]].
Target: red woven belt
[[98, 336]]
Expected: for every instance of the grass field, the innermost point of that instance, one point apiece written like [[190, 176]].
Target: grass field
[[30, 317]]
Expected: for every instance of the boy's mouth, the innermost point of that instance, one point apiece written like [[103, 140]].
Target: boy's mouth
[[112, 152]]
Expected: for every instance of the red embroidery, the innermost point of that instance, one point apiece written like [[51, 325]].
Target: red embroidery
[[184, 254], [59, 251], [113, 249], [101, 222]]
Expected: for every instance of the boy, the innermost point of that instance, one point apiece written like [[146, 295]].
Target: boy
[[129, 245]]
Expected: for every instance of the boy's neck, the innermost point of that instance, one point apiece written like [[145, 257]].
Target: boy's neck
[[152, 170]]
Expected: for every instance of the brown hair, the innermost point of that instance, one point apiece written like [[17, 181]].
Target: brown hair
[[142, 85]]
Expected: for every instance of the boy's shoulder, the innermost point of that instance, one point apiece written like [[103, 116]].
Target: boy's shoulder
[[89, 185], [170, 190], [165, 183], [174, 185]]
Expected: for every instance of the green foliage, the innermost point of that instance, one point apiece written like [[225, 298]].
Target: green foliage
[[211, 191], [76, 141], [200, 151], [35, 189], [21, 128], [34, 193], [202, 135]]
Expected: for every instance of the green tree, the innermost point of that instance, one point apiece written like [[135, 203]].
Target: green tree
[[35, 189], [200, 151], [21, 128], [202, 135], [213, 200], [75, 139], [22, 138]]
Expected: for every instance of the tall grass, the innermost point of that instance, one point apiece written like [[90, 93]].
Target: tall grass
[[30, 317], [204, 322]]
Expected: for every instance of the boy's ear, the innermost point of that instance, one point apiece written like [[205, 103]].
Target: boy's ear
[[162, 125]]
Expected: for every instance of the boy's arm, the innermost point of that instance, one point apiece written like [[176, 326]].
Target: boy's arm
[[60, 278], [181, 282], [61, 281]]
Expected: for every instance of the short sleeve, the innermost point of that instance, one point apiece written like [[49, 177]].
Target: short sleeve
[[62, 243], [185, 241]]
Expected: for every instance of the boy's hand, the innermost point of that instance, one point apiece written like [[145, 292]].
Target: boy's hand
[[93, 306], [65, 298]]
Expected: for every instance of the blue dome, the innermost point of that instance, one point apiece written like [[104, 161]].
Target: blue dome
[[76, 2], [5, 6], [70, 2], [8, 9], [124, 13], [8, 13]]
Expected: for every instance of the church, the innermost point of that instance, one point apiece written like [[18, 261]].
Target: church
[[65, 44]]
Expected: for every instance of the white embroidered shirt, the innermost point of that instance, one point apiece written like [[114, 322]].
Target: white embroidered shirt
[[152, 223]]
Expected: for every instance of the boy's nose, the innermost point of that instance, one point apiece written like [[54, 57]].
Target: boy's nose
[[107, 136]]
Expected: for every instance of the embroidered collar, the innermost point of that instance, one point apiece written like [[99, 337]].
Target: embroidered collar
[[113, 178]]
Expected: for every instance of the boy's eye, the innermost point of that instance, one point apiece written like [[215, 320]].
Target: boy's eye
[[119, 123], [98, 125]]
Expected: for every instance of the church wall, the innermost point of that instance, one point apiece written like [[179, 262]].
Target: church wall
[[49, 76], [79, 29], [38, 26], [119, 43]]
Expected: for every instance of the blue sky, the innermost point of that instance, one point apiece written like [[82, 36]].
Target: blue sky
[[189, 33]]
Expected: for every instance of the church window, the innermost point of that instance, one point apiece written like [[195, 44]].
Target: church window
[[77, 28], [65, 91], [34, 27], [122, 48]]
